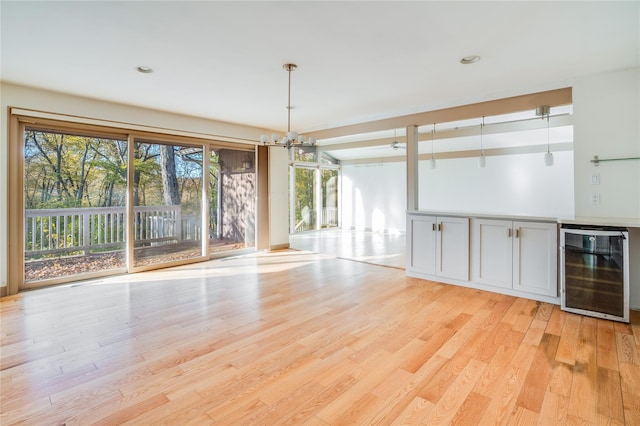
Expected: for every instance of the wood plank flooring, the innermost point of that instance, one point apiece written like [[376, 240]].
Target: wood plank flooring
[[298, 338]]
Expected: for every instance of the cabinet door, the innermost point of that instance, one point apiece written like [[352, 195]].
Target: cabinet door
[[491, 254], [535, 258], [422, 244], [452, 248]]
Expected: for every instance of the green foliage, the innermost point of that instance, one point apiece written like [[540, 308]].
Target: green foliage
[[66, 171]]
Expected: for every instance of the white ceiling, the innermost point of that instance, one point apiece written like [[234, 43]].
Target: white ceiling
[[357, 61]]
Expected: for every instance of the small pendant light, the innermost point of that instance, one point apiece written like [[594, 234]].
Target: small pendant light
[[482, 160], [432, 162], [543, 111], [548, 157]]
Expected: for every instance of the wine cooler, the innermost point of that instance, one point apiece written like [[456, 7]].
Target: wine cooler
[[595, 271]]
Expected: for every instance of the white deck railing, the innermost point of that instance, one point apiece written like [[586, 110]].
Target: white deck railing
[[49, 231], [329, 220]]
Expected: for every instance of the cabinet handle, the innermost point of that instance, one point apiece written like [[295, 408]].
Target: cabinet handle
[[440, 227], [518, 233], [509, 233], [433, 226]]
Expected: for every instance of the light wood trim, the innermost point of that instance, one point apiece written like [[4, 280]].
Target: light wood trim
[[129, 257], [489, 129], [411, 155], [491, 152], [496, 107], [56, 126], [169, 264], [204, 206], [276, 247], [65, 280], [262, 207], [32, 115], [15, 205], [191, 141], [84, 129]]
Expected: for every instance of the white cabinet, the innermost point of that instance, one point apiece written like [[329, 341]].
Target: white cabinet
[[535, 258], [517, 255], [422, 244], [492, 252], [439, 245], [452, 247]]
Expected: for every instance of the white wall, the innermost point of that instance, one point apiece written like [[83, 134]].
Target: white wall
[[508, 185], [278, 198], [606, 117], [374, 197], [42, 100], [606, 109]]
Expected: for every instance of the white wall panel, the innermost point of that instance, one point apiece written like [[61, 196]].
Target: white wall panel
[[508, 185], [374, 197]]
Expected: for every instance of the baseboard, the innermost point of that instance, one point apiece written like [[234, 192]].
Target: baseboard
[[279, 247]]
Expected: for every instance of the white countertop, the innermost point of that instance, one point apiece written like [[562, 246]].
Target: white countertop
[[627, 222], [577, 220], [481, 215]]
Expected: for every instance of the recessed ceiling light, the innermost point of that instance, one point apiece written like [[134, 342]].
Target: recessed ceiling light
[[471, 59], [144, 69]]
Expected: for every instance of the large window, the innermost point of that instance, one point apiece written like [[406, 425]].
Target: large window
[[232, 200], [167, 202], [314, 190], [97, 202], [329, 186], [74, 204], [305, 199]]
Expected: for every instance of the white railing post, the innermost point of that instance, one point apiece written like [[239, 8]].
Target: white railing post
[[86, 217]]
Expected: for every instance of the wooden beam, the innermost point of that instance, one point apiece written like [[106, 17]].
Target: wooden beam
[[551, 98]]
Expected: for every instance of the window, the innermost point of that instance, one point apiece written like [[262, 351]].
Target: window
[[314, 190], [187, 198]]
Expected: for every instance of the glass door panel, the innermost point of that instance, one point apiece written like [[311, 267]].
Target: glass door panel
[[304, 201], [595, 272], [167, 203], [232, 200], [74, 205], [329, 186]]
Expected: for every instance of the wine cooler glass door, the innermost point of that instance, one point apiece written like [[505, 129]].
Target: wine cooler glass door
[[595, 277]]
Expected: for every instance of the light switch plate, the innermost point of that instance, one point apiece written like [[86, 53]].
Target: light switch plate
[[595, 179]]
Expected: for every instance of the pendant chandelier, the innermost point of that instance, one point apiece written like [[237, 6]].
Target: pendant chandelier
[[290, 139]]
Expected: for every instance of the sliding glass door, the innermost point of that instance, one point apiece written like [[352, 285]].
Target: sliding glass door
[[74, 205], [167, 203], [232, 200], [96, 202]]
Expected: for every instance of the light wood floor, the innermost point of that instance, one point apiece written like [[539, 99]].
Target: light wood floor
[[297, 338], [387, 249]]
